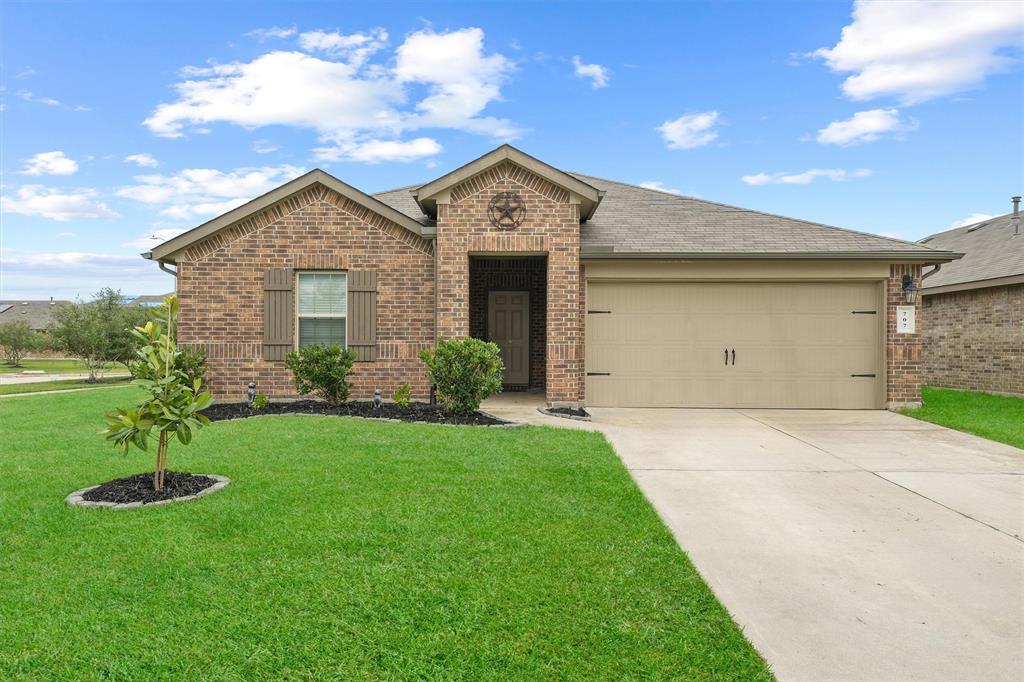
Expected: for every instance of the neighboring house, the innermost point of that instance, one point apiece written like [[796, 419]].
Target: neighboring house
[[147, 300], [38, 314], [974, 308], [597, 292]]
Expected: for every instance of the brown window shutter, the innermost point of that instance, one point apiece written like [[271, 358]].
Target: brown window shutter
[[362, 314], [278, 314]]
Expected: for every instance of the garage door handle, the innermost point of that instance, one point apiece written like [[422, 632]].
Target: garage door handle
[[726, 357], [733, 357], [863, 375]]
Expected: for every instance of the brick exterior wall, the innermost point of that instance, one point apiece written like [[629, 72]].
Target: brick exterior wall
[[487, 274], [552, 227], [974, 339], [220, 284], [903, 351]]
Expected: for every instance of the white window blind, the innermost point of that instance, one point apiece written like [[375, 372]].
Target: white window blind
[[322, 308]]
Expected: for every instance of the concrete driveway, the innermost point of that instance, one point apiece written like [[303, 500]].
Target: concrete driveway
[[847, 545]]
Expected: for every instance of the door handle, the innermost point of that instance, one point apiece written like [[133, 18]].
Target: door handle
[[733, 357]]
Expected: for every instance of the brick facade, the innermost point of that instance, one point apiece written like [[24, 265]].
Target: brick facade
[[525, 273], [551, 227], [974, 339], [903, 351], [220, 284]]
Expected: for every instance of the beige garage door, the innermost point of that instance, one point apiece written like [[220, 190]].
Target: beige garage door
[[800, 345]]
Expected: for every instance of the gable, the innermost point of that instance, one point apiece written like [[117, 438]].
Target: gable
[[277, 203]]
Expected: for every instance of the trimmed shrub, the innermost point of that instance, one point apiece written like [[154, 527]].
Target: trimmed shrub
[[403, 396], [260, 401], [465, 372], [323, 371]]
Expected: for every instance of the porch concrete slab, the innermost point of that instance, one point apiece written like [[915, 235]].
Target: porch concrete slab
[[848, 545]]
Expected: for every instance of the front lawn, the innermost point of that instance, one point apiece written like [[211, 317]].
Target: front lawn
[[55, 366], [997, 417], [345, 549], [60, 385]]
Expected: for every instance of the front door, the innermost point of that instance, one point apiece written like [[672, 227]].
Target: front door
[[508, 325]]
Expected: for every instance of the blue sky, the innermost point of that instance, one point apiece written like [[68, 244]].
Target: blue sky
[[126, 120]]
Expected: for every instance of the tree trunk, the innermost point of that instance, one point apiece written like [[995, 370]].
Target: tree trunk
[[161, 462]]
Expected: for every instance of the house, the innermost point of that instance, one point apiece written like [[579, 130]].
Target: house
[[597, 292], [38, 314], [974, 308], [147, 300]]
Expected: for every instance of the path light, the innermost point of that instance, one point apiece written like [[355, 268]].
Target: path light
[[252, 393], [909, 289]]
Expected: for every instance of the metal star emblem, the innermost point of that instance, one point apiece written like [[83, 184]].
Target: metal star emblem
[[506, 211]]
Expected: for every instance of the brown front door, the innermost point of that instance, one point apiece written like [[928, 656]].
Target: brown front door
[[508, 325]]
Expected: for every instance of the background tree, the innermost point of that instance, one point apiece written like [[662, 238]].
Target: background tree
[[172, 403], [17, 339], [98, 332]]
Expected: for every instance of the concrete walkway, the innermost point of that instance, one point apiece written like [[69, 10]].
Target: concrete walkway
[[7, 379], [848, 545]]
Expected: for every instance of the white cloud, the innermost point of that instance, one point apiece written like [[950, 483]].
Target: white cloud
[[916, 50], [142, 160], [154, 237], [204, 192], [50, 163], [349, 103], [376, 151], [971, 219], [271, 33], [660, 186], [36, 200], [355, 48], [865, 126], [264, 147], [597, 74], [67, 275], [690, 131], [29, 96], [805, 178]]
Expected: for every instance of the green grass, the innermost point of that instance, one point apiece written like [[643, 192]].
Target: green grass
[[997, 417], [53, 366], [345, 549], [60, 385]]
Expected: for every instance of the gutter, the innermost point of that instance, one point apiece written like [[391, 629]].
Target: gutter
[[895, 256], [148, 255]]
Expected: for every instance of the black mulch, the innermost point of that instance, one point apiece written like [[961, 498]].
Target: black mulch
[[415, 412], [139, 488], [568, 411]]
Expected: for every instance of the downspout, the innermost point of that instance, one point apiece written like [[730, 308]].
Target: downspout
[[938, 266], [163, 266]]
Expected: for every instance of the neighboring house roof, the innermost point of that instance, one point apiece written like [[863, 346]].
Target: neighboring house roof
[[38, 314], [992, 255], [148, 300]]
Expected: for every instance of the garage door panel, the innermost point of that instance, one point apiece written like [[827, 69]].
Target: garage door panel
[[661, 344]]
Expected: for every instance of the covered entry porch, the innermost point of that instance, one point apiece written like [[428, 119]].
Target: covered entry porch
[[508, 306]]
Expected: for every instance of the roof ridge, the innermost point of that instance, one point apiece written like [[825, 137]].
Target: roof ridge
[[967, 227], [764, 213]]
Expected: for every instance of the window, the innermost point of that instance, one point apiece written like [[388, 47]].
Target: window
[[323, 306]]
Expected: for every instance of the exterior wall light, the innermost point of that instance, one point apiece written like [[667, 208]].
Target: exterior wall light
[[909, 289]]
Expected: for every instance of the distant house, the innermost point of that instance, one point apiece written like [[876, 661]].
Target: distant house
[[147, 300], [38, 314], [973, 308]]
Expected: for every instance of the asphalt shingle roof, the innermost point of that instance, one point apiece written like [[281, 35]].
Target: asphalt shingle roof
[[990, 251], [38, 314], [634, 220]]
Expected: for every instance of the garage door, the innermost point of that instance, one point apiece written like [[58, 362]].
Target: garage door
[[800, 345]]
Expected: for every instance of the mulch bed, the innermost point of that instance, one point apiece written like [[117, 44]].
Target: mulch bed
[[415, 412], [139, 488]]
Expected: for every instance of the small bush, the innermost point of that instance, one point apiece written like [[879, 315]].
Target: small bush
[[323, 371], [192, 362], [403, 396], [16, 340], [465, 372], [260, 401]]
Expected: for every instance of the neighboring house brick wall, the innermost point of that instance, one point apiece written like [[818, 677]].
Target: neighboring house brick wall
[[974, 339], [220, 284], [551, 226], [903, 351], [512, 274]]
